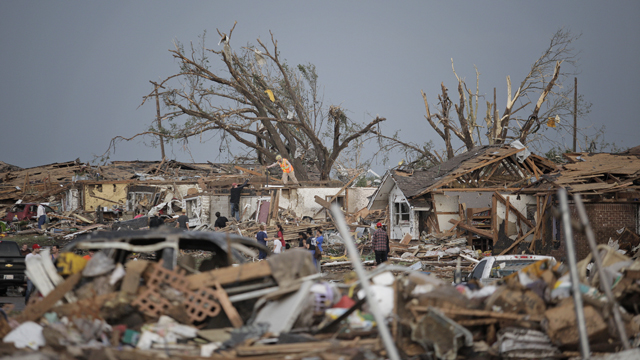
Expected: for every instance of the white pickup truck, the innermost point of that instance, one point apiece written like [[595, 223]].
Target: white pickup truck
[[492, 268]]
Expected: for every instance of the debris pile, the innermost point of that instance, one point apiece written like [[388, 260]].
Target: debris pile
[[121, 307]]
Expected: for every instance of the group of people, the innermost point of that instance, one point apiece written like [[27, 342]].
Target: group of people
[[310, 240], [35, 251]]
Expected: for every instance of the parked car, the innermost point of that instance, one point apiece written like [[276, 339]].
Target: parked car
[[12, 266], [493, 268], [25, 211], [165, 243]]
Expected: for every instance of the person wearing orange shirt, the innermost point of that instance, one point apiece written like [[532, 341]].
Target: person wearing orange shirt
[[287, 170]]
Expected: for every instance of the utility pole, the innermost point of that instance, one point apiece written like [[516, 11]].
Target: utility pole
[[160, 119], [575, 111]]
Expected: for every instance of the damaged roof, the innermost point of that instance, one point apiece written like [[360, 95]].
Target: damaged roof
[[414, 184], [596, 173], [487, 166]]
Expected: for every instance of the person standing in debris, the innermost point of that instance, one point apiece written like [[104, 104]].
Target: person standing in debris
[[221, 221], [42, 215], [310, 244], [287, 170], [380, 244], [24, 250], [234, 198], [319, 239], [55, 251], [280, 236], [35, 251], [277, 246], [302, 239], [261, 236], [183, 221]]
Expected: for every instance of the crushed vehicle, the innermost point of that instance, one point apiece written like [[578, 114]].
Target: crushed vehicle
[[166, 243], [493, 268], [12, 266], [25, 211]]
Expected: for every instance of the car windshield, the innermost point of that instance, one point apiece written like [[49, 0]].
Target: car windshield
[[9, 249], [507, 267], [17, 208]]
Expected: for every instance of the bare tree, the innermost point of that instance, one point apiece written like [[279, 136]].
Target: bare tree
[[253, 98], [545, 92]]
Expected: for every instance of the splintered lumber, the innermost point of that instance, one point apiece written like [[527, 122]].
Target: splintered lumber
[[517, 241], [338, 193], [316, 346], [255, 173], [34, 311], [83, 219], [229, 309], [473, 229], [324, 203], [482, 313], [229, 275]]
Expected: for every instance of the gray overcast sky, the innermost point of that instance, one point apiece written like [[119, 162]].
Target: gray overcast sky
[[74, 72]]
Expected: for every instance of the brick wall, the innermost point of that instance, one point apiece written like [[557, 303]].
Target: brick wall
[[605, 220]]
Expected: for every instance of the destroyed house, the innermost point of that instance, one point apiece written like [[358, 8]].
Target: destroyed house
[[609, 185], [467, 195]]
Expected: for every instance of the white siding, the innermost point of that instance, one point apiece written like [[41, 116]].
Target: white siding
[[400, 228]]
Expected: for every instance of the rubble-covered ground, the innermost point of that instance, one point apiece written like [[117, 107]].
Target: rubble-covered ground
[[192, 295]]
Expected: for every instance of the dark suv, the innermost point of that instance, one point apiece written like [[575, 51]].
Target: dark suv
[[12, 266]]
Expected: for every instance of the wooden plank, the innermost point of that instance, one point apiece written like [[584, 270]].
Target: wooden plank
[[248, 171], [506, 215], [518, 241], [453, 229], [339, 191], [406, 239], [34, 311], [316, 346], [229, 309], [324, 203], [483, 313], [83, 219], [494, 219], [229, 275], [468, 223], [536, 233], [473, 229], [440, 191]]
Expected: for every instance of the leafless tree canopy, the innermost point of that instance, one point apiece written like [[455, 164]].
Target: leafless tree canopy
[[250, 95], [544, 93]]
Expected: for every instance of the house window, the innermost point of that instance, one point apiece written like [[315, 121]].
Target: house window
[[401, 213]]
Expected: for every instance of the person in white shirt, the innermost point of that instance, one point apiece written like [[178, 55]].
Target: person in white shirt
[[277, 246], [35, 251], [42, 216]]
